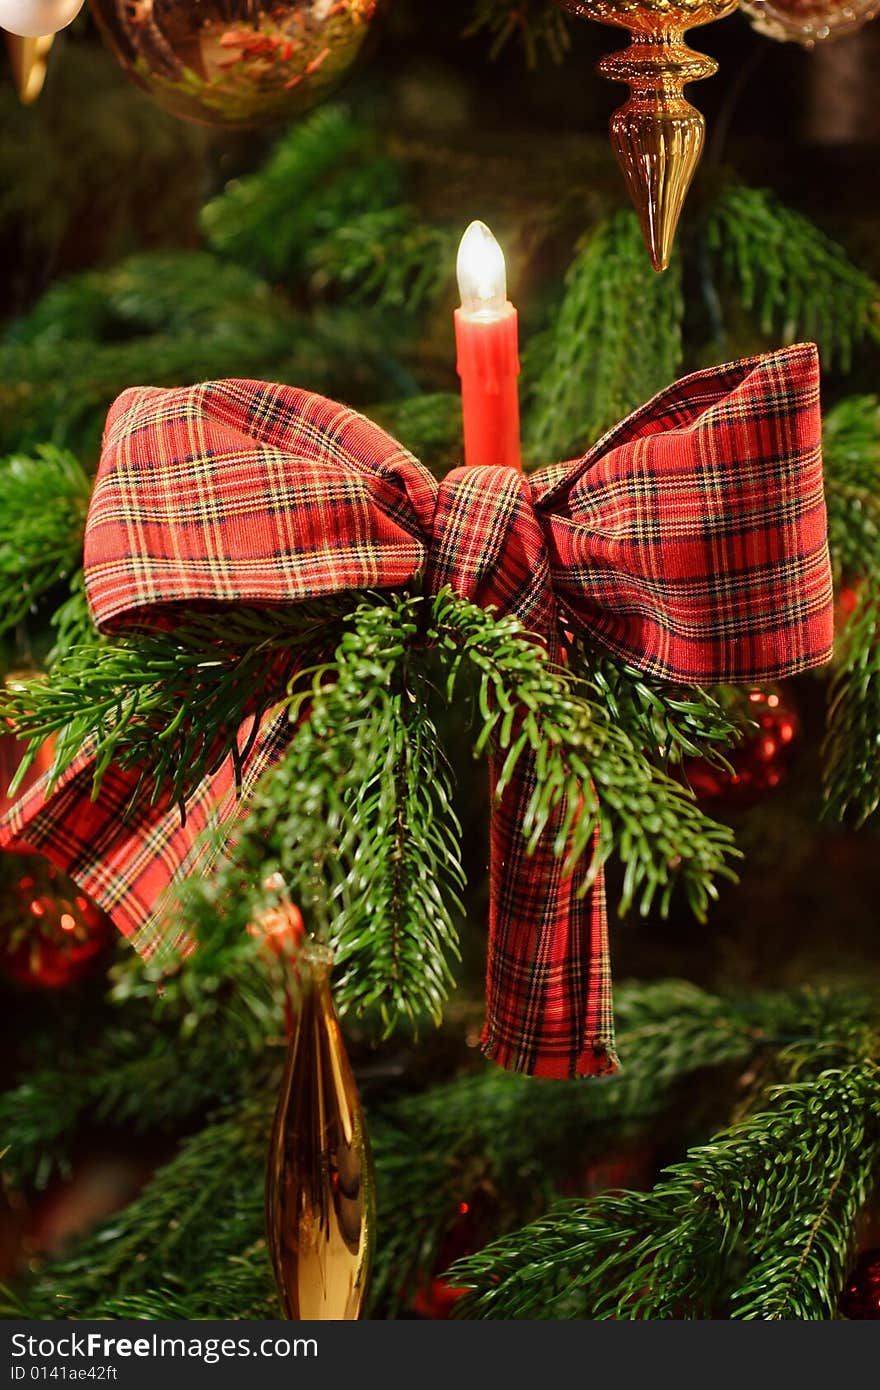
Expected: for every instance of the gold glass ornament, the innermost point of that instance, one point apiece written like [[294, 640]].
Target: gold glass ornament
[[29, 60], [236, 62], [657, 136], [808, 22], [320, 1188]]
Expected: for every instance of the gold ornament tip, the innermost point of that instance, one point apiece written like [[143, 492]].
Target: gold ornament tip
[[28, 58], [658, 146], [657, 136], [658, 156]]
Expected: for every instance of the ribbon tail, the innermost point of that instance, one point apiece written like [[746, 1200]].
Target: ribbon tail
[[549, 976], [127, 862]]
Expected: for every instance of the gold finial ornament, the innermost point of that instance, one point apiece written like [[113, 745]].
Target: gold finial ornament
[[28, 58], [657, 136], [320, 1187]]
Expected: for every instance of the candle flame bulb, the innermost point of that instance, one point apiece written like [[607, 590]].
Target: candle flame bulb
[[482, 272]]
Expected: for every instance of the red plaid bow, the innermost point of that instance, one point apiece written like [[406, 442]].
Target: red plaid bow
[[691, 540]]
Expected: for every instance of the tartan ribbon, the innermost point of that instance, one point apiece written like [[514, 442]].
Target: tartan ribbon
[[691, 541]]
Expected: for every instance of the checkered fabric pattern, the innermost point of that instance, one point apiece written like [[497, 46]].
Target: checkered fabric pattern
[[691, 541]]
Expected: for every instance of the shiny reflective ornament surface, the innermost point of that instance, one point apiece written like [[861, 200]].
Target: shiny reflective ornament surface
[[236, 62], [320, 1189], [51, 934], [31, 19], [761, 762], [657, 136], [808, 22], [28, 59]]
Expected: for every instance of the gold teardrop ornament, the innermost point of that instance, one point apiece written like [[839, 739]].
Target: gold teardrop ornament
[[29, 59], [657, 136], [320, 1187]]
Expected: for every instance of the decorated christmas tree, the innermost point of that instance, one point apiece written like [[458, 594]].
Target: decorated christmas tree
[[307, 684]]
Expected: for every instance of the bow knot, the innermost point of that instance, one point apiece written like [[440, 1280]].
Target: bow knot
[[691, 541], [488, 545]]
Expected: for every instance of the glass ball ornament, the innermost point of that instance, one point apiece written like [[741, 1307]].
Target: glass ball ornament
[[33, 19], [808, 22], [760, 763], [470, 1227], [237, 63], [51, 934]]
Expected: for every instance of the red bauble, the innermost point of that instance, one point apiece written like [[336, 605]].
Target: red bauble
[[436, 1300], [101, 1181], [631, 1166], [860, 1300], [51, 934], [470, 1231], [760, 763], [845, 604]]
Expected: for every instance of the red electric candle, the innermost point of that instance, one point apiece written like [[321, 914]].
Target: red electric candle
[[487, 337]]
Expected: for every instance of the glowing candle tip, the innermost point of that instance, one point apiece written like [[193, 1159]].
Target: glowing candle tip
[[482, 272]]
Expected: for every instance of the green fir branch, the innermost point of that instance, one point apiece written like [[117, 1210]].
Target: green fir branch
[[170, 704], [135, 1077], [240, 1287], [505, 1134], [675, 1252], [58, 379], [387, 258], [408, 869], [357, 823], [851, 431], [615, 342], [607, 795], [170, 1235], [802, 1243], [784, 269], [43, 504], [72, 623], [323, 172], [173, 292], [664, 722], [535, 24], [851, 766]]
